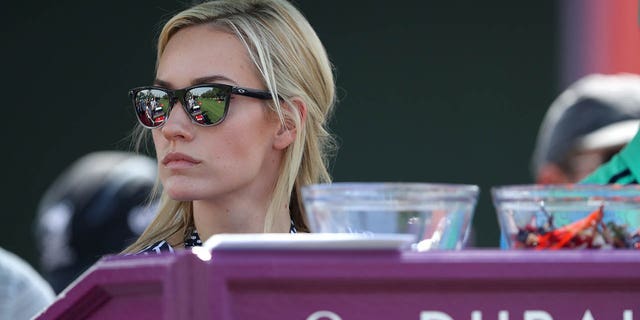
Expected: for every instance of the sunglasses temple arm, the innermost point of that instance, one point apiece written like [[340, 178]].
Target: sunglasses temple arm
[[264, 95]]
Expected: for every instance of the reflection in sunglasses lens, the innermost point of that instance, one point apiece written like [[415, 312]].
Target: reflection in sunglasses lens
[[151, 107], [206, 104]]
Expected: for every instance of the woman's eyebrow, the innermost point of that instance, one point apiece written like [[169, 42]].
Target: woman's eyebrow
[[196, 81], [161, 83], [211, 79]]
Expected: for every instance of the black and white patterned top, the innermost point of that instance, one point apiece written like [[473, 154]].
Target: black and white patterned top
[[193, 240]]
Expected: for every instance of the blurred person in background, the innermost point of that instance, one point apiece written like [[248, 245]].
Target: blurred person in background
[[99, 205], [584, 130], [235, 160], [622, 168], [23, 292], [585, 126]]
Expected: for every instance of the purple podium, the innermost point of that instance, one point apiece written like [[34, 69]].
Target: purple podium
[[361, 284]]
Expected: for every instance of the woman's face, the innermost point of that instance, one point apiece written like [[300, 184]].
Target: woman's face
[[234, 158]]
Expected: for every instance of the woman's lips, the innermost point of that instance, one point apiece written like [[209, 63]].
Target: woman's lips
[[176, 160]]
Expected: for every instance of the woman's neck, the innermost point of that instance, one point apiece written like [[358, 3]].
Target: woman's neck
[[212, 218]]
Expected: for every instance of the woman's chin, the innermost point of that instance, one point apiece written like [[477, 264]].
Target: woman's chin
[[180, 197], [180, 193]]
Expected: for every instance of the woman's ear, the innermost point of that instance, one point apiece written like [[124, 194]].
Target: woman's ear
[[288, 131]]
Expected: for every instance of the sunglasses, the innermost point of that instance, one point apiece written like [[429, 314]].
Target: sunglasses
[[206, 104]]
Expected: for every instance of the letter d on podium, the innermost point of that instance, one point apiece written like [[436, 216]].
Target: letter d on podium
[[536, 315], [434, 315]]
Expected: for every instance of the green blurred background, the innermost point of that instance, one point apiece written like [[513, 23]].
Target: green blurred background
[[430, 91]]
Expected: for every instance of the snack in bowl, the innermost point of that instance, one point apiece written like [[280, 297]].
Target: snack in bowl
[[569, 216]]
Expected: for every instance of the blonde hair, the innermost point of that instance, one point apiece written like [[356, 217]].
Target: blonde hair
[[292, 63]]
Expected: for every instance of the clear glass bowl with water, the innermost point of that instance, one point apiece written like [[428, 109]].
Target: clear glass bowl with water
[[438, 216]]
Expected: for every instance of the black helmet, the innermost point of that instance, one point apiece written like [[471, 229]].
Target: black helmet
[[97, 206]]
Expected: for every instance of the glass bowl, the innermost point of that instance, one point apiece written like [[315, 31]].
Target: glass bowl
[[438, 216], [572, 216]]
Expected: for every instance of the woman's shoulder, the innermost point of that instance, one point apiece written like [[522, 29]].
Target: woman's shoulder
[[157, 248]]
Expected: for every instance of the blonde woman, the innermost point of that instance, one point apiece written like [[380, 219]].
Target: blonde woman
[[234, 161]]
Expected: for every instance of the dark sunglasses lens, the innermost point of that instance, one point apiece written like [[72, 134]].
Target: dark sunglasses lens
[[152, 107], [206, 105]]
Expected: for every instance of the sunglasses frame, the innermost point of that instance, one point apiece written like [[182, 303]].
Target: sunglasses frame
[[180, 95]]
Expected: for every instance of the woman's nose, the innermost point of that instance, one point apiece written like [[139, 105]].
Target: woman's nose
[[178, 124]]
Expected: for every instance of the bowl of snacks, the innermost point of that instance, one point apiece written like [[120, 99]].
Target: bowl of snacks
[[434, 216], [571, 216]]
